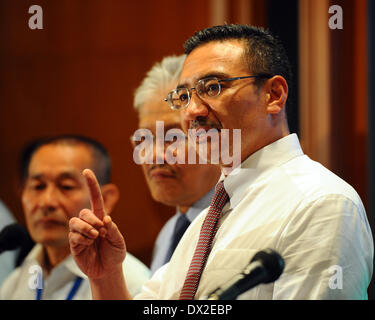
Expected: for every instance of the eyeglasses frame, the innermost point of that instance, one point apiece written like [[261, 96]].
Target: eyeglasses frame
[[261, 75]]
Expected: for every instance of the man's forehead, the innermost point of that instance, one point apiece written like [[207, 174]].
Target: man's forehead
[[213, 57], [67, 173], [57, 158]]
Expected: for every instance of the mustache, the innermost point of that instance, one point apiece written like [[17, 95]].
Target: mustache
[[161, 166], [204, 122]]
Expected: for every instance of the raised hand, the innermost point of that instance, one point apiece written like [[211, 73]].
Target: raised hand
[[96, 243]]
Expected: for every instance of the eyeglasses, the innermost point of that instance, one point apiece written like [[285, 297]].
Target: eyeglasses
[[205, 88]]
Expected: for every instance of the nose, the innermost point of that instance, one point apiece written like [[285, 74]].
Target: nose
[[159, 150], [48, 199], [196, 108]]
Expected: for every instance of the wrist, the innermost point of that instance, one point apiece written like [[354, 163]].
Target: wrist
[[109, 275], [112, 286]]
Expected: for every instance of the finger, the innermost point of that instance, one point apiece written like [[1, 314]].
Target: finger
[[77, 225], [89, 217], [76, 239], [96, 198]]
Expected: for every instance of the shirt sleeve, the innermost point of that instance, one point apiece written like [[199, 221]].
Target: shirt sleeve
[[328, 251], [136, 274], [151, 289]]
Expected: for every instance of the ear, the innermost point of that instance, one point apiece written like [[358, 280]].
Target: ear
[[111, 194], [276, 95]]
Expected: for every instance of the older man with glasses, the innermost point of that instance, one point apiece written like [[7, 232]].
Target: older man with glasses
[[277, 198], [187, 187]]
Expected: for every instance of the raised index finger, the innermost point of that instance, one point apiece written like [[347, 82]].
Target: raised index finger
[[96, 198]]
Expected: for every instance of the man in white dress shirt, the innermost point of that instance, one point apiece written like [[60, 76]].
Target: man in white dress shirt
[[236, 77], [53, 192], [188, 187]]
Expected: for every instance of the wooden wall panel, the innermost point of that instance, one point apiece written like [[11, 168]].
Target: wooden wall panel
[[333, 89], [349, 96], [314, 80]]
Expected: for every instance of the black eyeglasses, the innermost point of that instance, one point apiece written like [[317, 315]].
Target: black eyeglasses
[[205, 88]]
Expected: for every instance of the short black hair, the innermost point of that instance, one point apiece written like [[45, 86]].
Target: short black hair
[[263, 52], [101, 162]]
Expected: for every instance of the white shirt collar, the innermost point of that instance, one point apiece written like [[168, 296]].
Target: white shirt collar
[[200, 205], [269, 157]]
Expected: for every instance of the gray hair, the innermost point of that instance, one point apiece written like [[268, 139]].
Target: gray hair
[[161, 75]]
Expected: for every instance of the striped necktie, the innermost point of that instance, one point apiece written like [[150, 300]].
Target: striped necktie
[[206, 236]]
